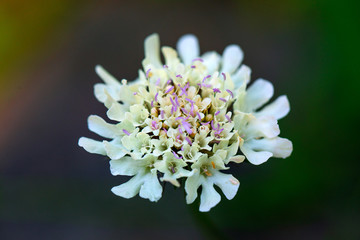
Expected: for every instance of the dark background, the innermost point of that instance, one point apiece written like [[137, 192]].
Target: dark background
[[52, 189]]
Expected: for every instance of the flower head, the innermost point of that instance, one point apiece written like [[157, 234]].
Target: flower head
[[187, 118]]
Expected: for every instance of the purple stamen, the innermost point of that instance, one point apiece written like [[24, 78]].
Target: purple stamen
[[179, 118], [147, 72], [157, 82], [172, 101], [197, 59], [207, 85], [224, 76], [169, 90], [198, 114], [188, 140], [182, 148], [192, 109], [165, 66], [208, 76], [176, 156], [164, 130], [216, 90], [184, 110], [228, 118], [178, 137], [156, 95], [193, 66], [180, 131], [212, 124], [217, 113], [179, 76], [162, 114], [152, 103], [231, 93], [189, 100], [176, 101], [134, 93], [187, 127], [154, 125], [126, 132], [223, 99], [206, 123], [168, 81]]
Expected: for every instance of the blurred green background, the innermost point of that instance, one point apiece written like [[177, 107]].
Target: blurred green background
[[52, 189]]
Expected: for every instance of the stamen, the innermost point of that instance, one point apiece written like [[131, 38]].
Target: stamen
[[165, 66], [187, 127], [164, 130], [189, 100], [224, 76], [172, 169], [152, 103], [169, 90], [156, 95], [184, 110], [162, 114], [198, 59], [213, 164], [176, 156], [176, 101], [216, 90], [217, 113], [208, 76], [198, 114], [223, 99], [179, 76], [148, 72], [169, 81], [204, 123], [172, 101], [181, 131], [134, 93], [193, 66], [126, 132], [182, 148], [231, 93], [212, 125], [188, 140], [154, 125], [228, 118], [157, 82]]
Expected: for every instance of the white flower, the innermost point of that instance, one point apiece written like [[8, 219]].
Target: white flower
[[187, 118]]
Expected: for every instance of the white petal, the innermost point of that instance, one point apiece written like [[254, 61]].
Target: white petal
[[241, 76], [211, 61], [124, 166], [258, 94], [130, 188], [152, 50], [266, 126], [188, 48], [99, 126], [209, 197], [280, 147], [151, 189], [92, 146], [232, 57], [227, 183], [278, 109], [106, 77], [237, 159], [255, 158], [191, 186], [114, 150], [170, 55]]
